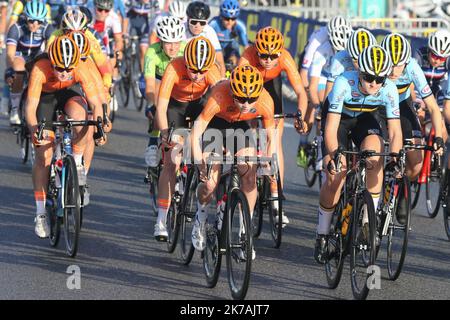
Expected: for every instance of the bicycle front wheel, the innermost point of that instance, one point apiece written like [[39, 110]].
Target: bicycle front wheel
[[71, 206], [335, 255], [187, 216], [310, 171], [212, 257], [257, 217], [275, 206], [415, 194], [362, 252], [173, 225], [239, 244], [399, 230]]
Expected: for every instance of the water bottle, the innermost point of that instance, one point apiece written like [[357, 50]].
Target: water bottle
[[221, 204], [67, 141], [183, 174], [346, 218]]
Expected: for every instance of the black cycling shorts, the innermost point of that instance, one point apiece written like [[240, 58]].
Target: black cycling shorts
[[178, 112], [274, 88], [233, 134], [357, 128], [49, 103]]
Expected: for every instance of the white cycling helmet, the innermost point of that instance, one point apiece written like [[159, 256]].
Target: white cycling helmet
[[336, 23], [339, 37], [358, 41], [170, 29], [376, 61], [439, 43], [177, 9], [74, 20]]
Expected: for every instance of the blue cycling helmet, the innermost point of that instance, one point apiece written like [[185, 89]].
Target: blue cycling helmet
[[36, 10], [229, 9]]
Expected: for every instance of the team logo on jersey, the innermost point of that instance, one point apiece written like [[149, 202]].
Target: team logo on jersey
[[351, 82], [426, 90], [396, 112], [333, 106], [252, 110], [305, 61], [355, 94], [373, 131]]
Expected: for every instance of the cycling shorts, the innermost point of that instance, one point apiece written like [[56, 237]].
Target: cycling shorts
[[274, 88], [51, 102], [357, 128], [232, 133], [177, 112], [141, 25]]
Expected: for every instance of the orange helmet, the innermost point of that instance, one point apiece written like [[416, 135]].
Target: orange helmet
[[199, 54], [269, 41], [246, 82], [64, 53], [82, 42]]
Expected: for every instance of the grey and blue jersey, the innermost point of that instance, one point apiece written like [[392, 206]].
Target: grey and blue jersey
[[347, 98], [340, 63], [413, 74]]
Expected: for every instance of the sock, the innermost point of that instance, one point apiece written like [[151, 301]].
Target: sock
[[153, 141], [275, 203], [163, 208], [202, 214], [376, 199], [39, 196], [325, 217], [78, 157], [15, 100]]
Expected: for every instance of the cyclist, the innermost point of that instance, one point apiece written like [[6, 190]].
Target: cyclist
[[318, 72], [138, 19], [350, 109], [231, 104], [177, 9], [171, 32], [405, 72], [3, 13], [316, 39], [51, 88], [347, 60], [270, 57], [198, 14], [185, 81], [18, 10], [24, 41], [75, 20], [230, 31], [106, 22]]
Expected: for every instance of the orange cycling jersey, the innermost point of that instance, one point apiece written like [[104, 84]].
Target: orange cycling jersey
[[43, 79], [221, 104], [177, 84], [285, 63]]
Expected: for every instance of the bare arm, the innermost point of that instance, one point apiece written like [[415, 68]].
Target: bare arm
[[435, 113], [395, 135], [10, 54], [221, 63], [331, 130]]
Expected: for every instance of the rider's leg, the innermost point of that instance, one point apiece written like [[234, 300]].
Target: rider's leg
[[17, 89]]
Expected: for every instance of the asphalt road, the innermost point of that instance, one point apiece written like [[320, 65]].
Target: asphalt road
[[119, 259]]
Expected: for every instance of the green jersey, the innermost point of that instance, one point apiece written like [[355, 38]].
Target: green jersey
[[156, 60]]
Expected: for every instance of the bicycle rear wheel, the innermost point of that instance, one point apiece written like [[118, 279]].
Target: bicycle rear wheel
[[310, 170], [335, 256], [257, 217], [54, 220], [125, 81], [71, 206], [415, 193], [275, 214], [433, 190], [398, 233], [187, 216], [362, 252], [239, 244]]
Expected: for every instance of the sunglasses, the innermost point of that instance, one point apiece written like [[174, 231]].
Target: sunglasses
[[197, 71], [103, 10], [194, 22], [436, 57], [228, 19], [264, 56], [61, 70], [34, 20], [243, 100], [370, 78]]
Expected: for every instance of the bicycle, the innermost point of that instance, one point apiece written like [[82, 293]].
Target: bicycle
[[64, 196], [312, 170], [274, 205], [349, 234], [130, 75], [230, 235], [397, 198]]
